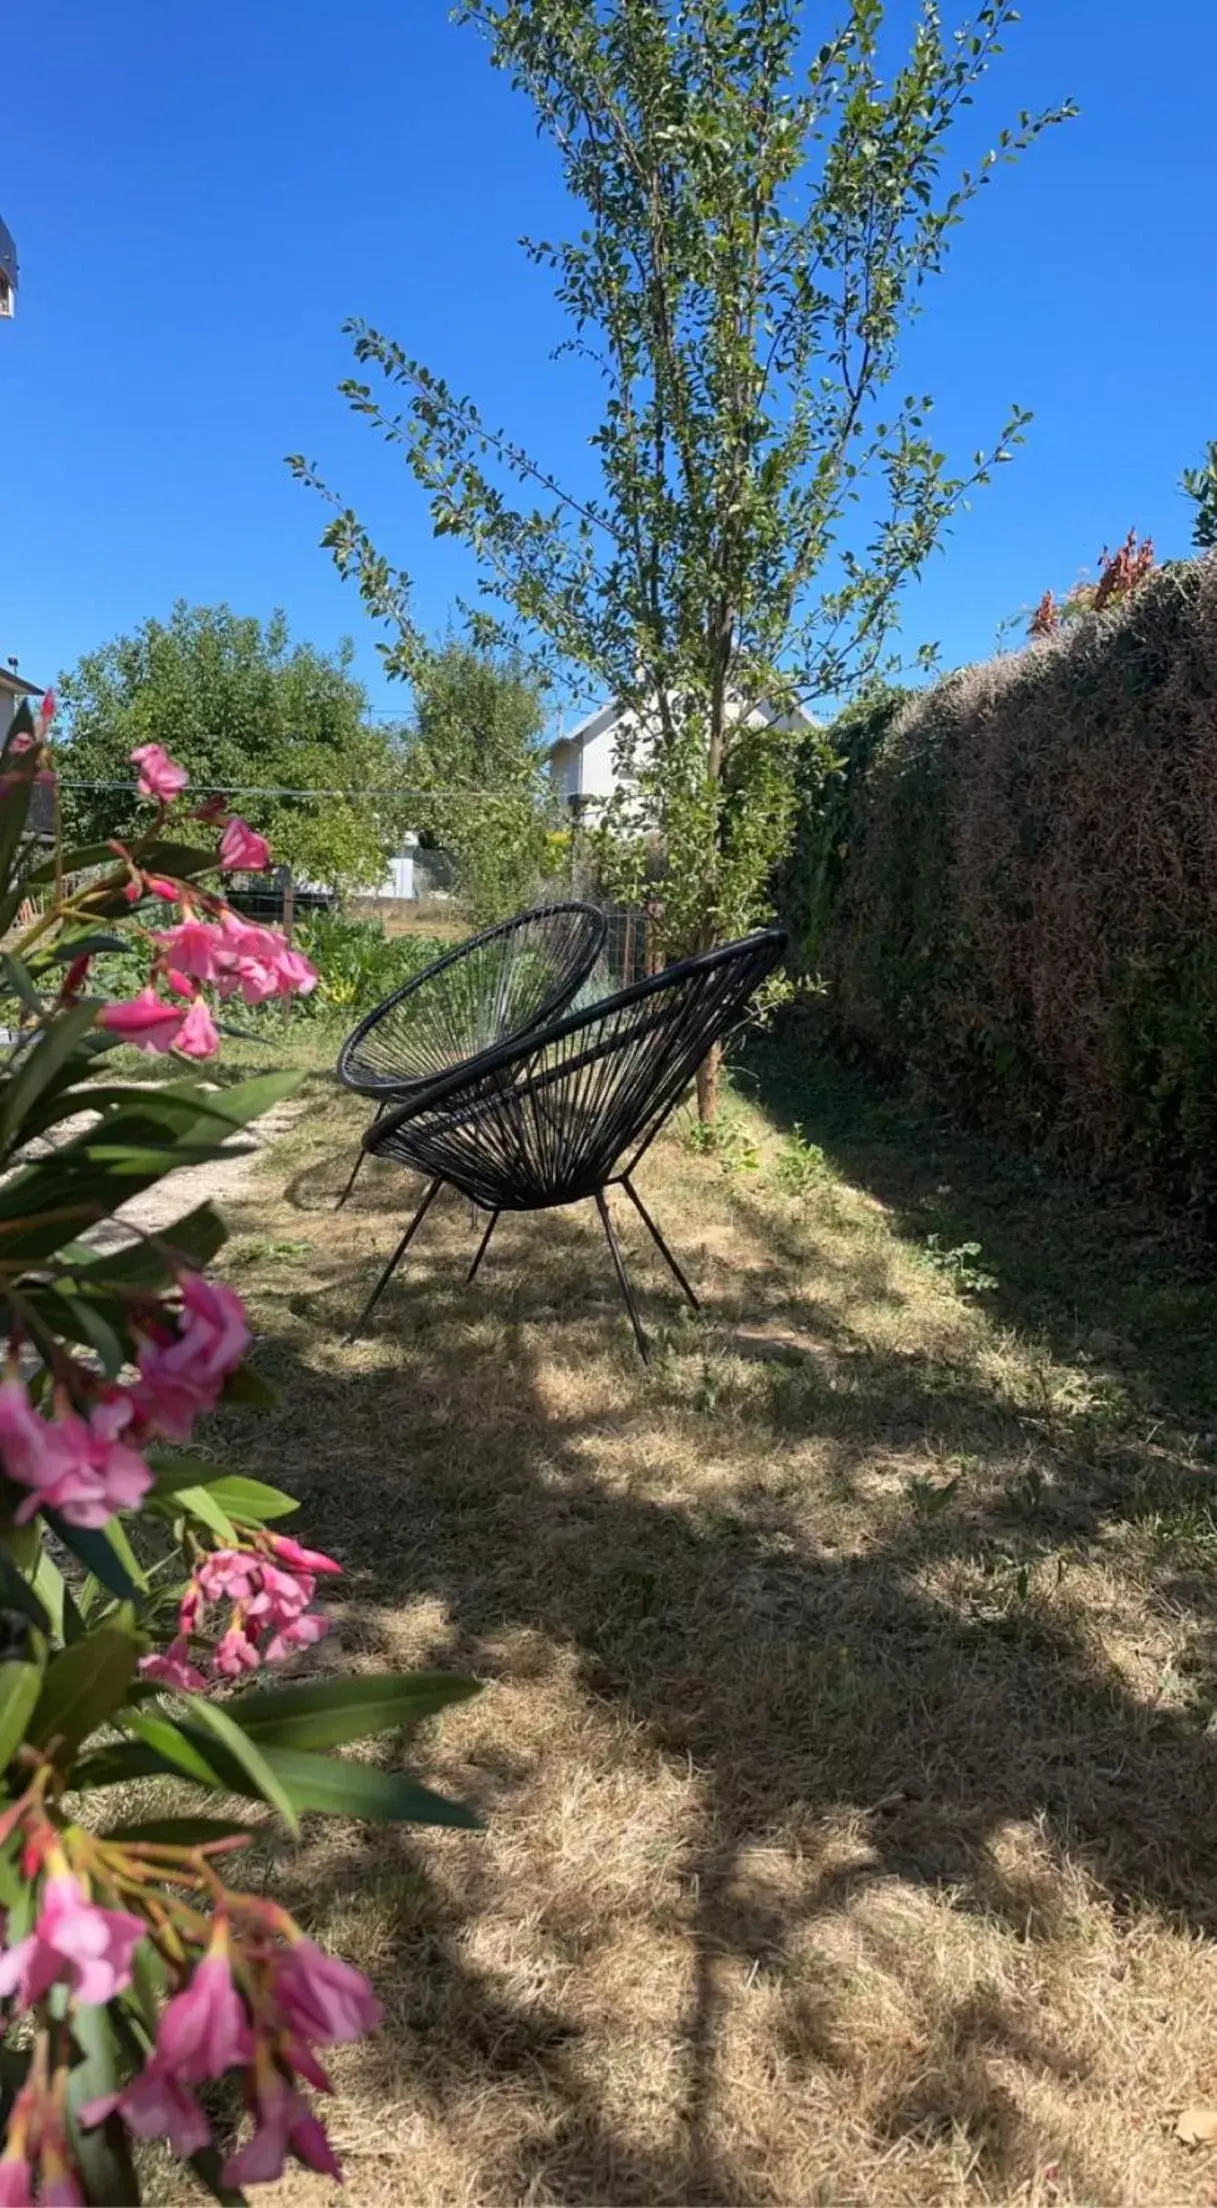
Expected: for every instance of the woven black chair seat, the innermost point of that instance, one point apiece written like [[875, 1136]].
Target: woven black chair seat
[[498, 985], [502, 983], [570, 1110]]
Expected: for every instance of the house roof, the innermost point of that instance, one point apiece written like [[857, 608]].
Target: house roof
[[17, 686], [603, 717]]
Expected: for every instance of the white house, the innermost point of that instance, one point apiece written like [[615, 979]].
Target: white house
[[582, 760], [13, 687]]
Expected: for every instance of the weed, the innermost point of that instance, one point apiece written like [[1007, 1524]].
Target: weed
[[958, 1265], [800, 1166], [727, 1139], [930, 1497]]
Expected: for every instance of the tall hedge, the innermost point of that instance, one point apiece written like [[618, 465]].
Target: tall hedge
[[1016, 895]]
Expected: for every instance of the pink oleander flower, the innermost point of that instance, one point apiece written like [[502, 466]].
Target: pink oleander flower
[[235, 1653], [293, 1558], [145, 1020], [229, 1575], [204, 2030], [155, 2105], [181, 1375], [194, 947], [242, 849], [298, 977], [159, 775], [171, 1667], [74, 1943], [321, 1997], [36, 2164], [81, 1468], [285, 2122], [16, 2181], [298, 1633], [197, 1036], [279, 1596]]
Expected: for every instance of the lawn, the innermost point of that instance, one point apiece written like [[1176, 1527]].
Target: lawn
[[846, 1753]]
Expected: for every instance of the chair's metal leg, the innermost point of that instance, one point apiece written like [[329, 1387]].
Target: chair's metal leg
[[623, 1280], [395, 1261], [360, 1155], [481, 1248], [657, 1238]]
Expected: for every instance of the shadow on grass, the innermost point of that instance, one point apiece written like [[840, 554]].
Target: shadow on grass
[[926, 1689], [1094, 1274]]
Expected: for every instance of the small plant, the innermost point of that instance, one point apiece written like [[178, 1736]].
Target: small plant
[[726, 1139], [958, 1265], [800, 1166], [930, 1498]]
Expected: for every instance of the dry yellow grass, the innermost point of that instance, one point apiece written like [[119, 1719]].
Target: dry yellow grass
[[845, 1750]]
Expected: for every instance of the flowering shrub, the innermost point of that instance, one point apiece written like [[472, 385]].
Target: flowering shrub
[[138, 1582]]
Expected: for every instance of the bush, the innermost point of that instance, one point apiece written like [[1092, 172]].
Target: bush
[[1020, 902], [358, 965], [140, 1581]]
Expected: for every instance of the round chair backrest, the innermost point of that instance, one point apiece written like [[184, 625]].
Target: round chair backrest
[[556, 1116], [498, 985]]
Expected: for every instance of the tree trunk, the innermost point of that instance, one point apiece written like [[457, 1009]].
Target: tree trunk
[[707, 1084]]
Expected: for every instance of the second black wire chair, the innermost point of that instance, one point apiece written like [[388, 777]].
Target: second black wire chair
[[501, 984], [570, 1110]]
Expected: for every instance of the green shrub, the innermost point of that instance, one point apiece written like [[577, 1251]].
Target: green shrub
[[1010, 888]]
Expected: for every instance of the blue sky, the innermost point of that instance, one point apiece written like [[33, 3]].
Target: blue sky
[[200, 195]]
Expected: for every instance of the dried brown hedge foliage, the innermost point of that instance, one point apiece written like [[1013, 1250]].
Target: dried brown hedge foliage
[[1027, 915]]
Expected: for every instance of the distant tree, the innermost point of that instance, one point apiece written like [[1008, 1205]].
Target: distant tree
[[478, 781], [1200, 485], [240, 708], [756, 220]]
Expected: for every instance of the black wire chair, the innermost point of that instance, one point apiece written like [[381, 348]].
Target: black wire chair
[[570, 1110], [499, 985]]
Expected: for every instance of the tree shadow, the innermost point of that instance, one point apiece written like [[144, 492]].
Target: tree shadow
[[1100, 1276], [894, 1687]]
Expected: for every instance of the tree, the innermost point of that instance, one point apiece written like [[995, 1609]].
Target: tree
[[756, 233], [477, 775], [242, 710]]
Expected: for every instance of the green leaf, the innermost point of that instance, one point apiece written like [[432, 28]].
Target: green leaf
[[327, 1713], [14, 808], [175, 1472], [103, 1550], [181, 1832], [252, 1499], [265, 1783], [102, 2151], [248, 1387], [338, 1787], [39, 1065], [198, 1503], [20, 1687], [166, 1746], [84, 1685], [17, 1593], [208, 2165], [196, 1236], [52, 1589]]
